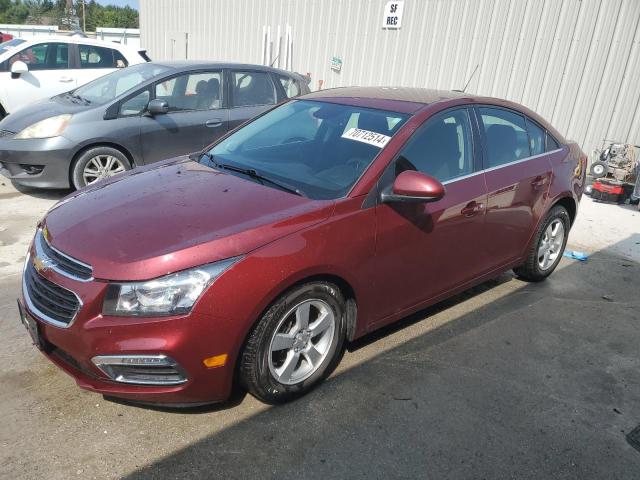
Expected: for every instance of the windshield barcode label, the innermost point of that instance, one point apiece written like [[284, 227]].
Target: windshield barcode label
[[366, 136]]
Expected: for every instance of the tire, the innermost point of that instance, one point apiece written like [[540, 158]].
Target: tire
[[274, 365], [113, 160], [536, 267], [598, 169]]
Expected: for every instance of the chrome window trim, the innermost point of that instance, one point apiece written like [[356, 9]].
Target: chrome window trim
[[53, 264], [497, 167], [41, 315]]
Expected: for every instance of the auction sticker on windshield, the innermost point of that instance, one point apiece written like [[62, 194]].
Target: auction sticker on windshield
[[366, 136]]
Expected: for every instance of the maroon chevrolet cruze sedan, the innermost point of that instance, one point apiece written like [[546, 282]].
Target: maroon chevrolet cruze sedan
[[325, 218]]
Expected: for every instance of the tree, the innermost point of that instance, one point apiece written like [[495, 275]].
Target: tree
[[96, 15]]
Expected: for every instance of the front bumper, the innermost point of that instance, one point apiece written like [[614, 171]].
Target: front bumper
[[41, 163], [188, 340]]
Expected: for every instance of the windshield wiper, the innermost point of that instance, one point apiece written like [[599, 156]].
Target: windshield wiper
[[77, 97], [250, 172]]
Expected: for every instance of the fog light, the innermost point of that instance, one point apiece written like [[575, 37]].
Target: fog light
[[141, 369], [32, 169]]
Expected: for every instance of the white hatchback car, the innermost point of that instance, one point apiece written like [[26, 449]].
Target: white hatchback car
[[44, 67]]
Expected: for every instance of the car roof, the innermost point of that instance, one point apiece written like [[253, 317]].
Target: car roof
[[423, 96], [187, 65]]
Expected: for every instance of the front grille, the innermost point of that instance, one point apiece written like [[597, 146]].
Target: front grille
[[60, 262], [52, 302], [6, 133]]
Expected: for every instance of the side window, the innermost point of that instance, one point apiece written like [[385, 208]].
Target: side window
[[135, 105], [551, 143], [253, 88], [441, 148], [536, 138], [290, 86], [507, 139], [45, 56], [92, 56], [194, 91]]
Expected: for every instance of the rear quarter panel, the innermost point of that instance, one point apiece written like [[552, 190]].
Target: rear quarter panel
[[569, 174]]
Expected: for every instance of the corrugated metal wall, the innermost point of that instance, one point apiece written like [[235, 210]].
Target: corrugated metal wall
[[576, 62]]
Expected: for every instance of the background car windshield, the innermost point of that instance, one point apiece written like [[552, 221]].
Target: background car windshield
[[10, 44], [320, 148], [110, 86]]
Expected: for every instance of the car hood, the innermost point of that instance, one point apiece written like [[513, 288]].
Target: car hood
[[172, 216], [40, 110]]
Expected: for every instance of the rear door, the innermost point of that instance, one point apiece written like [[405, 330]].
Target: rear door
[[424, 250], [197, 115], [251, 93], [95, 61], [518, 175], [48, 74]]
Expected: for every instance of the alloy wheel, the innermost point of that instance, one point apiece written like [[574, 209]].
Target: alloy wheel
[[551, 244], [302, 341], [100, 167]]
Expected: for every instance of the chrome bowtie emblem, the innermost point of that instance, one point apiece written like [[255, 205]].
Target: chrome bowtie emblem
[[41, 265]]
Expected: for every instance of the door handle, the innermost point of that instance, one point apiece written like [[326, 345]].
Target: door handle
[[539, 181], [472, 208], [65, 79], [214, 122]]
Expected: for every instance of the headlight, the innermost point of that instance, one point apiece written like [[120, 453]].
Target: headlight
[[50, 127], [169, 295]]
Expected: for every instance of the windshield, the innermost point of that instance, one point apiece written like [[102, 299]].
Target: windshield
[[319, 148], [111, 86], [10, 44]]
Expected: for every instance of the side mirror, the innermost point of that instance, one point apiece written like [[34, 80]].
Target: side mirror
[[157, 107], [18, 68], [413, 186]]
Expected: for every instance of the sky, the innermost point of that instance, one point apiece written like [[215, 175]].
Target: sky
[[121, 3]]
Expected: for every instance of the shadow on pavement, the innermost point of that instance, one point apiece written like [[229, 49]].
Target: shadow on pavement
[[45, 194], [541, 383]]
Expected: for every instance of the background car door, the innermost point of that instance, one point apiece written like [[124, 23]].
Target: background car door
[[517, 181], [196, 116], [95, 61], [426, 249], [48, 74], [252, 92]]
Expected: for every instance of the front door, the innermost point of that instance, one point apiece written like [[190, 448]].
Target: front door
[[195, 119], [48, 74], [428, 249], [518, 174]]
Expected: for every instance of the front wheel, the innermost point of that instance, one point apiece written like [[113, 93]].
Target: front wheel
[[547, 246], [97, 164], [296, 343]]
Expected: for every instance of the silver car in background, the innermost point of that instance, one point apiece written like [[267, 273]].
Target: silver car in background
[[135, 116]]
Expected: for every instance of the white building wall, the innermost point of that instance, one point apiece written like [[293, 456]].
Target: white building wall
[[576, 62]]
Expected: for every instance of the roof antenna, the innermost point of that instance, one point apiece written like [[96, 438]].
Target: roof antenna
[[469, 81]]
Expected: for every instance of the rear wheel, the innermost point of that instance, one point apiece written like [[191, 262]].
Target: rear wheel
[[296, 343], [98, 163], [547, 247]]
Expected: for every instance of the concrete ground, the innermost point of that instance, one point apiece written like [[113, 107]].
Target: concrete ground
[[508, 380]]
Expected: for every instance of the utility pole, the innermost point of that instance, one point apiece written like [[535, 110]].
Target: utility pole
[[84, 18]]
